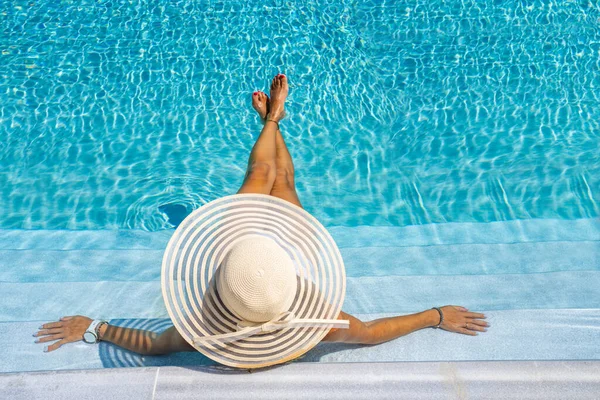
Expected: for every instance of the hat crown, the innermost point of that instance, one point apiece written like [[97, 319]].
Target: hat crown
[[257, 279]]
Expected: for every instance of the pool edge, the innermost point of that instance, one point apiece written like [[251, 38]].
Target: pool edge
[[462, 379]]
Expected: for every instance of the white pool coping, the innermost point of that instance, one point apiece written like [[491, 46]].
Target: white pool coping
[[410, 380]]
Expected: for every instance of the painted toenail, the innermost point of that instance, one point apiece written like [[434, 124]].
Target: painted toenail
[[255, 93]]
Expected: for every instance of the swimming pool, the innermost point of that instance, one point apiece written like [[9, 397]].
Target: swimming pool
[[461, 138], [405, 112]]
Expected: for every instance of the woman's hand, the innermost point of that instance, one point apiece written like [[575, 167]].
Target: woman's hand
[[460, 320], [67, 330]]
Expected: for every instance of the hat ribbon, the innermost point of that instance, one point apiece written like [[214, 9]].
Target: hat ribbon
[[282, 321]]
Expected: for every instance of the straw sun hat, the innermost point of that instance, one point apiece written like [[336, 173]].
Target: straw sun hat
[[251, 280]]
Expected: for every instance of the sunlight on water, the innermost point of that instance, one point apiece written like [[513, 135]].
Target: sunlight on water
[[117, 114]]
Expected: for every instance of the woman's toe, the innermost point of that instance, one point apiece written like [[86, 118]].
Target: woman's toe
[[282, 80]]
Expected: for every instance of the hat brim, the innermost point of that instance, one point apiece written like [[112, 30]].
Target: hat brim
[[200, 244]]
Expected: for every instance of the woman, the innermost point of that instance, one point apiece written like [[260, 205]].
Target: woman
[[271, 172]]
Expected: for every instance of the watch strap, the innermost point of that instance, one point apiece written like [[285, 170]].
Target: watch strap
[[93, 328]]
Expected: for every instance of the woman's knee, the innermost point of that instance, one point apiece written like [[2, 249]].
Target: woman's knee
[[284, 177], [260, 171]]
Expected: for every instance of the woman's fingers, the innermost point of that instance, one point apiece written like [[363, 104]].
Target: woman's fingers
[[49, 338], [52, 325], [461, 320], [469, 314], [65, 331], [474, 315], [471, 326], [56, 345], [48, 332]]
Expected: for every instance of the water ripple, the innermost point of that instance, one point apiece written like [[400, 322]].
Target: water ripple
[[405, 112]]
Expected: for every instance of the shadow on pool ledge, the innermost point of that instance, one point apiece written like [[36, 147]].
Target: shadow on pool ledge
[[115, 357]]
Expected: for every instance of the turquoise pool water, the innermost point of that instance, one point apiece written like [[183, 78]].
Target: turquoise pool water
[[113, 114]]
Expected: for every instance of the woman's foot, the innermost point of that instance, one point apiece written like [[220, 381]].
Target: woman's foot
[[279, 92], [260, 102]]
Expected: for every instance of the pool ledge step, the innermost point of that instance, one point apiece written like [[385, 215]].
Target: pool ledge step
[[517, 231]]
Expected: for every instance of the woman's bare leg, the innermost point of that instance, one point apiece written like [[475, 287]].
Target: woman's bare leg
[[284, 186], [262, 167]]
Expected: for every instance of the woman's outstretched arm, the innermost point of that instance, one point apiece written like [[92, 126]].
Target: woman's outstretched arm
[[71, 329], [456, 319]]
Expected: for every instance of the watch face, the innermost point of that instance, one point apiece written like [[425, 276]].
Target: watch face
[[89, 337]]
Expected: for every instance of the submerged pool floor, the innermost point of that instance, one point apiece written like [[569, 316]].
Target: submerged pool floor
[[536, 280]]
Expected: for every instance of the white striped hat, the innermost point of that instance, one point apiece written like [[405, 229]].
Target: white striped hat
[[251, 280]]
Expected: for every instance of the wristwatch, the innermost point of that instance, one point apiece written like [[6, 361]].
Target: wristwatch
[[91, 334]]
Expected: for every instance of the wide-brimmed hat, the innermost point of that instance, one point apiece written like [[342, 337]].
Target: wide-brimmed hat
[[251, 280]]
